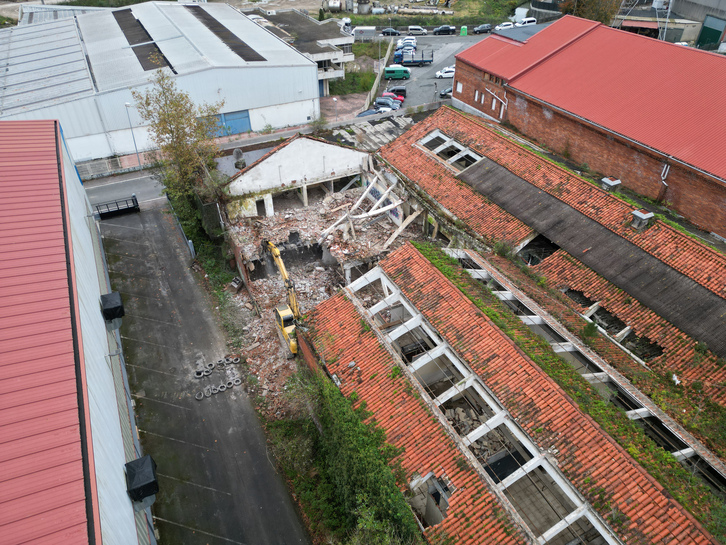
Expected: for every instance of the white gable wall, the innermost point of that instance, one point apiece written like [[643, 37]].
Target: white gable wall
[[303, 161]]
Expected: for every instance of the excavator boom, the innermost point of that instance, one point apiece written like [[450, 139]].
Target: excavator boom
[[286, 315]]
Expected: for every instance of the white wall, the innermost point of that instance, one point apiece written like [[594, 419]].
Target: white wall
[[118, 525], [302, 161]]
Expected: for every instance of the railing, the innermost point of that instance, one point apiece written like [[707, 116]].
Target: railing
[[120, 206]]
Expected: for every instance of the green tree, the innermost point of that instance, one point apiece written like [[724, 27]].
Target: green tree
[[321, 15], [184, 134], [595, 10]]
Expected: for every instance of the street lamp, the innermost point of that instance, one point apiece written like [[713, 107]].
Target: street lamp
[[335, 101], [128, 115]]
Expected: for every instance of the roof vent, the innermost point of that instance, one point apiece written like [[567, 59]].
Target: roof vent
[[641, 218], [610, 184], [141, 482], [112, 309]]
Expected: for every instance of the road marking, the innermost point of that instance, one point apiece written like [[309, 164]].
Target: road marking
[[152, 320], [193, 484], [119, 182], [124, 226], [154, 199], [177, 440], [198, 530], [125, 241], [150, 369], [162, 402], [147, 342]]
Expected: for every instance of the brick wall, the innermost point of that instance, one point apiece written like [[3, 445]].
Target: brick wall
[[307, 353], [474, 90], [699, 198]]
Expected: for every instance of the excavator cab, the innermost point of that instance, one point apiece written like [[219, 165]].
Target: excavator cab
[[285, 315]]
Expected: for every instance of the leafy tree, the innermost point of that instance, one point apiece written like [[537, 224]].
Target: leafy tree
[[595, 10], [321, 15], [184, 134]]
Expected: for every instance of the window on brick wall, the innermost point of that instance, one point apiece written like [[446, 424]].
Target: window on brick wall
[[494, 103], [476, 95], [459, 87]]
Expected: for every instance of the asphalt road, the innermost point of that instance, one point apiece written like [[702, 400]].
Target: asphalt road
[[218, 485], [423, 87], [144, 186]]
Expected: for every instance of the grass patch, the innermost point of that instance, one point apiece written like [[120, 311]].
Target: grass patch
[[689, 491], [354, 82]]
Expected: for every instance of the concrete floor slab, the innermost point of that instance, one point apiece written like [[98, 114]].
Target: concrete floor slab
[[218, 485]]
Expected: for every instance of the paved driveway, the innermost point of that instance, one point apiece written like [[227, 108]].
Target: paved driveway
[[217, 483], [423, 87]]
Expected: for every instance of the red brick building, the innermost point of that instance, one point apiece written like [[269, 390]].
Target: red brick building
[[628, 106]]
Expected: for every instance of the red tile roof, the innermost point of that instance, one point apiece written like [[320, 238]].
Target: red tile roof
[[423, 168], [674, 248], [586, 454], [340, 338], [593, 76], [42, 495], [679, 353]]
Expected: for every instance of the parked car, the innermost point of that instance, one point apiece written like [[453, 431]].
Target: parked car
[[394, 96], [400, 90], [406, 45], [527, 21], [372, 111], [504, 26], [445, 29], [390, 32], [447, 72], [446, 93], [387, 103], [383, 109], [415, 29], [482, 29], [406, 50], [407, 40]]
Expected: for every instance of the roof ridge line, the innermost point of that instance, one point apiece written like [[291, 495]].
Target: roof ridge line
[[552, 53]]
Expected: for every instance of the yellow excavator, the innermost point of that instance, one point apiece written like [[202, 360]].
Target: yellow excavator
[[286, 316]]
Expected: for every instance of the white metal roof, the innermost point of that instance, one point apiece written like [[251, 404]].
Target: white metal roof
[[46, 64], [42, 64]]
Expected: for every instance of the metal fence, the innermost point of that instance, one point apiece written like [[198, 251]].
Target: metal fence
[[190, 244]]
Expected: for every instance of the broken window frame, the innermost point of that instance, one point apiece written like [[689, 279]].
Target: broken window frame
[[466, 154], [393, 295]]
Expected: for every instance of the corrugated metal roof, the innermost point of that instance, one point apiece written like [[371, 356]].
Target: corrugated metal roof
[[41, 64], [505, 57], [647, 90], [32, 15], [42, 495]]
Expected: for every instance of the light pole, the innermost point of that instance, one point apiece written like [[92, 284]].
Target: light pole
[[128, 115], [335, 101]]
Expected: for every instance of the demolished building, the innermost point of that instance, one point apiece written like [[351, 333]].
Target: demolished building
[[494, 449]]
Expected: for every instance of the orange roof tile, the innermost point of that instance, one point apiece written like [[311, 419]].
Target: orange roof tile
[[587, 455], [679, 251], [678, 349], [339, 338]]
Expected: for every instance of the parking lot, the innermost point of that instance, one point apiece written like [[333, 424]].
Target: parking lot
[[423, 87]]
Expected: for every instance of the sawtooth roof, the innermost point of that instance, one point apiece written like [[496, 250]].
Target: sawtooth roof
[[440, 183], [42, 495], [678, 349], [654, 266], [587, 456], [650, 91]]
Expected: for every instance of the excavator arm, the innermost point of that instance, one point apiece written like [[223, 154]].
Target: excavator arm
[[289, 284]]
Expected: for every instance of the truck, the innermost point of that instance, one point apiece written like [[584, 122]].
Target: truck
[[417, 58], [365, 33]]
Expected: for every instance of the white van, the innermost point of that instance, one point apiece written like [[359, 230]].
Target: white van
[[415, 29], [527, 21]]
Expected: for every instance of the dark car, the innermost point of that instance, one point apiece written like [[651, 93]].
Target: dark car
[[482, 29], [445, 29], [372, 111], [390, 32], [400, 90], [387, 102], [446, 93]]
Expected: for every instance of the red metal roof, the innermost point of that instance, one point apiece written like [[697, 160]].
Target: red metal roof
[[647, 90], [507, 58], [42, 495]]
